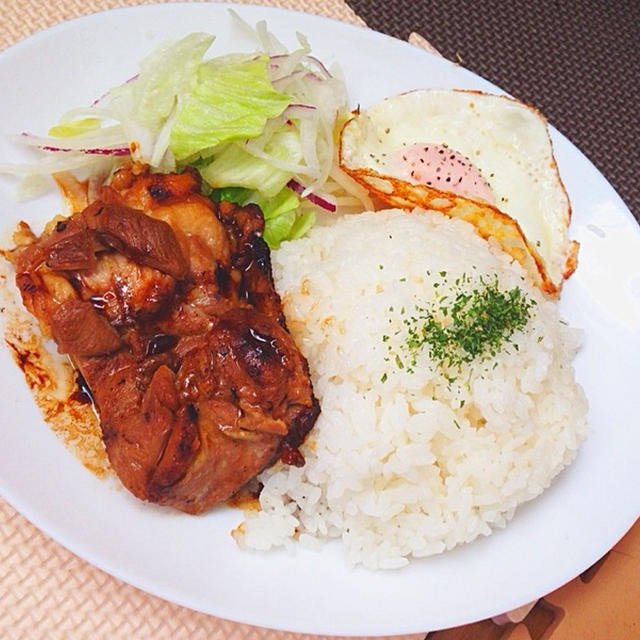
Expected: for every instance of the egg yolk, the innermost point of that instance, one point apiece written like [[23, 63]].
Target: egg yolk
[[438, 166]]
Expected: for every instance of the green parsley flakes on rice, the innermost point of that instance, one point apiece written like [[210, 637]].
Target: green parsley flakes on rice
[[417, 448]]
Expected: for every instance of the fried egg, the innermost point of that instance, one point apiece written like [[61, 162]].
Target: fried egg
[[485, 158]]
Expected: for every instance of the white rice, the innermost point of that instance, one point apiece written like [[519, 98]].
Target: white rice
[[404, 463]]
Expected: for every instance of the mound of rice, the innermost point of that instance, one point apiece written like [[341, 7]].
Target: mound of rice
[[405, 461]]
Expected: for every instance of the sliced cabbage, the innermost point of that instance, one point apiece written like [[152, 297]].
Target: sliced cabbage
[[147, 104], [239, 165], [283, 202], [228, 102]]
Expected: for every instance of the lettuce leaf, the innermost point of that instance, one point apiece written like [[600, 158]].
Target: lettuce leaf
[[303, 223], [230, 101], [286, 200], [148, 101], [238, 195], [234, 166], [278, 229], [283, 217]]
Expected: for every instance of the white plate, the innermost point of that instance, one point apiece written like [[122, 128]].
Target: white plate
[[193, 560]]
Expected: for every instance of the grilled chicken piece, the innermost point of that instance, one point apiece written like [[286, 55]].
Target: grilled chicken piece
[[165, 303]]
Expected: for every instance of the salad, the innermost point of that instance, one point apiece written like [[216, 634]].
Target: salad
[[259, 127]]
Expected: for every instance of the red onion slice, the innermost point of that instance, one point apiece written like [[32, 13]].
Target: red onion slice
[[294, 185], [97, 151]]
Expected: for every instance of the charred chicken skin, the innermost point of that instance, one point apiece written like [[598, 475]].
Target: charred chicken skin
[[165, 303]]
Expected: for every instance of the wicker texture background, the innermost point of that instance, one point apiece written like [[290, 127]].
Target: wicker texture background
[[46, 592]]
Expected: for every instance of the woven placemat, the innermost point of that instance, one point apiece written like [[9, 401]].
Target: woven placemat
[[49, 593]]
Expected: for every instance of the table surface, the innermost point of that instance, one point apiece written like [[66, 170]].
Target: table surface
[[537, 51]]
